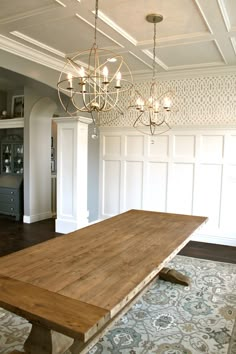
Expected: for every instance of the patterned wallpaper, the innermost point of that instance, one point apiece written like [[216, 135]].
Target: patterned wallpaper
[[198, 101]]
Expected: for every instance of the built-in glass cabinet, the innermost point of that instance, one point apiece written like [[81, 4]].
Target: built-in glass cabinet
[[12, 154]]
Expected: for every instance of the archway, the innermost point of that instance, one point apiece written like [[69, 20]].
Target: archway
[[37, 175]]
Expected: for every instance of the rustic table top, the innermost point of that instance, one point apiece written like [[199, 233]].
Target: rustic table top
[[94, 271]]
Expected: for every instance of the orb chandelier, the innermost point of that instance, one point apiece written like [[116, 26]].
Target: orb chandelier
[[93, 80], [152, 111]]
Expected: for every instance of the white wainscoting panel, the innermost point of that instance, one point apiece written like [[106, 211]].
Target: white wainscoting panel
[[208, 197], [228, 217], [212, 147], [180, 193], [230, 149], [133, 185], [186, 170], [156, 186], [134, 146], [158, 146], [184, 146], [112, 145], [111, 187]]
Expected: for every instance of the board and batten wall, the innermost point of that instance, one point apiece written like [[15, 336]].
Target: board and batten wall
[[186, 171], [191, 169]]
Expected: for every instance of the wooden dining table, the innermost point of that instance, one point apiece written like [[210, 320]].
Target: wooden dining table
[[71, 288]]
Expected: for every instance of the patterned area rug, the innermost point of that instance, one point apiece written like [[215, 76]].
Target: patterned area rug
[[168, 319]]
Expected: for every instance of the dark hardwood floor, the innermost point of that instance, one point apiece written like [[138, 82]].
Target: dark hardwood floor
[[15, 235]]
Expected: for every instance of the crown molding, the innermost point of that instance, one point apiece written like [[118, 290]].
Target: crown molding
[[188, 72], [34, 55], [37, 43], [51, 62]]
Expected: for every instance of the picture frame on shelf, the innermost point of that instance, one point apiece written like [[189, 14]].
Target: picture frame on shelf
[[17, 110]]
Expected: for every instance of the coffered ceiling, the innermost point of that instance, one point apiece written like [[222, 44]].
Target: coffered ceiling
[[194, 35]]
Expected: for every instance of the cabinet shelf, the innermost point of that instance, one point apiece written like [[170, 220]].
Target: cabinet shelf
[[12, 155]]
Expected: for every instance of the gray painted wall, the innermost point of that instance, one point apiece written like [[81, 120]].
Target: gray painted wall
[[22, 73]]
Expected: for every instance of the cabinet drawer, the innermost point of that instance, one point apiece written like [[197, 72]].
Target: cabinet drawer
[[8, 208], [8, 198], [9, 191]]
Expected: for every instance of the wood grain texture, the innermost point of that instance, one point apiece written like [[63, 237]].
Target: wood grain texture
[[105, 264], [54, 311]]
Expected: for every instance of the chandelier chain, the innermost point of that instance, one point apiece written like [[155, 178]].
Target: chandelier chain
[[154, 53], [95, 24]]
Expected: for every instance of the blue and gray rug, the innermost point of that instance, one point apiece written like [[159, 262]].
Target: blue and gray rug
[[168, 319]]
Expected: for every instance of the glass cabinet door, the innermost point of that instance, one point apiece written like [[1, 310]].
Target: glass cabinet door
[[7, 158], [18, 158]]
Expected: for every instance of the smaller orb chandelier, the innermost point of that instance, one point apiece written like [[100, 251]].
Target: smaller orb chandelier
[[152, 111], [92, 81]]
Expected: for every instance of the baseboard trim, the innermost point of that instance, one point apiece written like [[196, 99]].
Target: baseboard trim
[[66, 226], [29, 219], [218, 240]]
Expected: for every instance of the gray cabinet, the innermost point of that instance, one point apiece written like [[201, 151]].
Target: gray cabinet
[[11, 196], [12, 155]]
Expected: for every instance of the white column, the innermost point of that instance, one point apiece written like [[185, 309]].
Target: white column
[[72, 159]]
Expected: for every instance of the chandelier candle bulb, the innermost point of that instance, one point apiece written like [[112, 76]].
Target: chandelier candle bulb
[[69, 77], [167, 103], [118, 78], [156, 107], [82, 74], [105, 75], [141, 105], [150, 101], [82, 80]]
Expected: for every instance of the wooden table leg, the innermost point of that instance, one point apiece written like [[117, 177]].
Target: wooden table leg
[[42, 340], [76, 347], [174, 276]]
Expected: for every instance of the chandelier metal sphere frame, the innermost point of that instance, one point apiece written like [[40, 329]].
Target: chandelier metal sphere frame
[[152, 111], [92, 81]]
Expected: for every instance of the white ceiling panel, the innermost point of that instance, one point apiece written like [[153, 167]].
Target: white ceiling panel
[[184, 55], [10, 8], [67, 35], [189, 21], [194, 33]]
